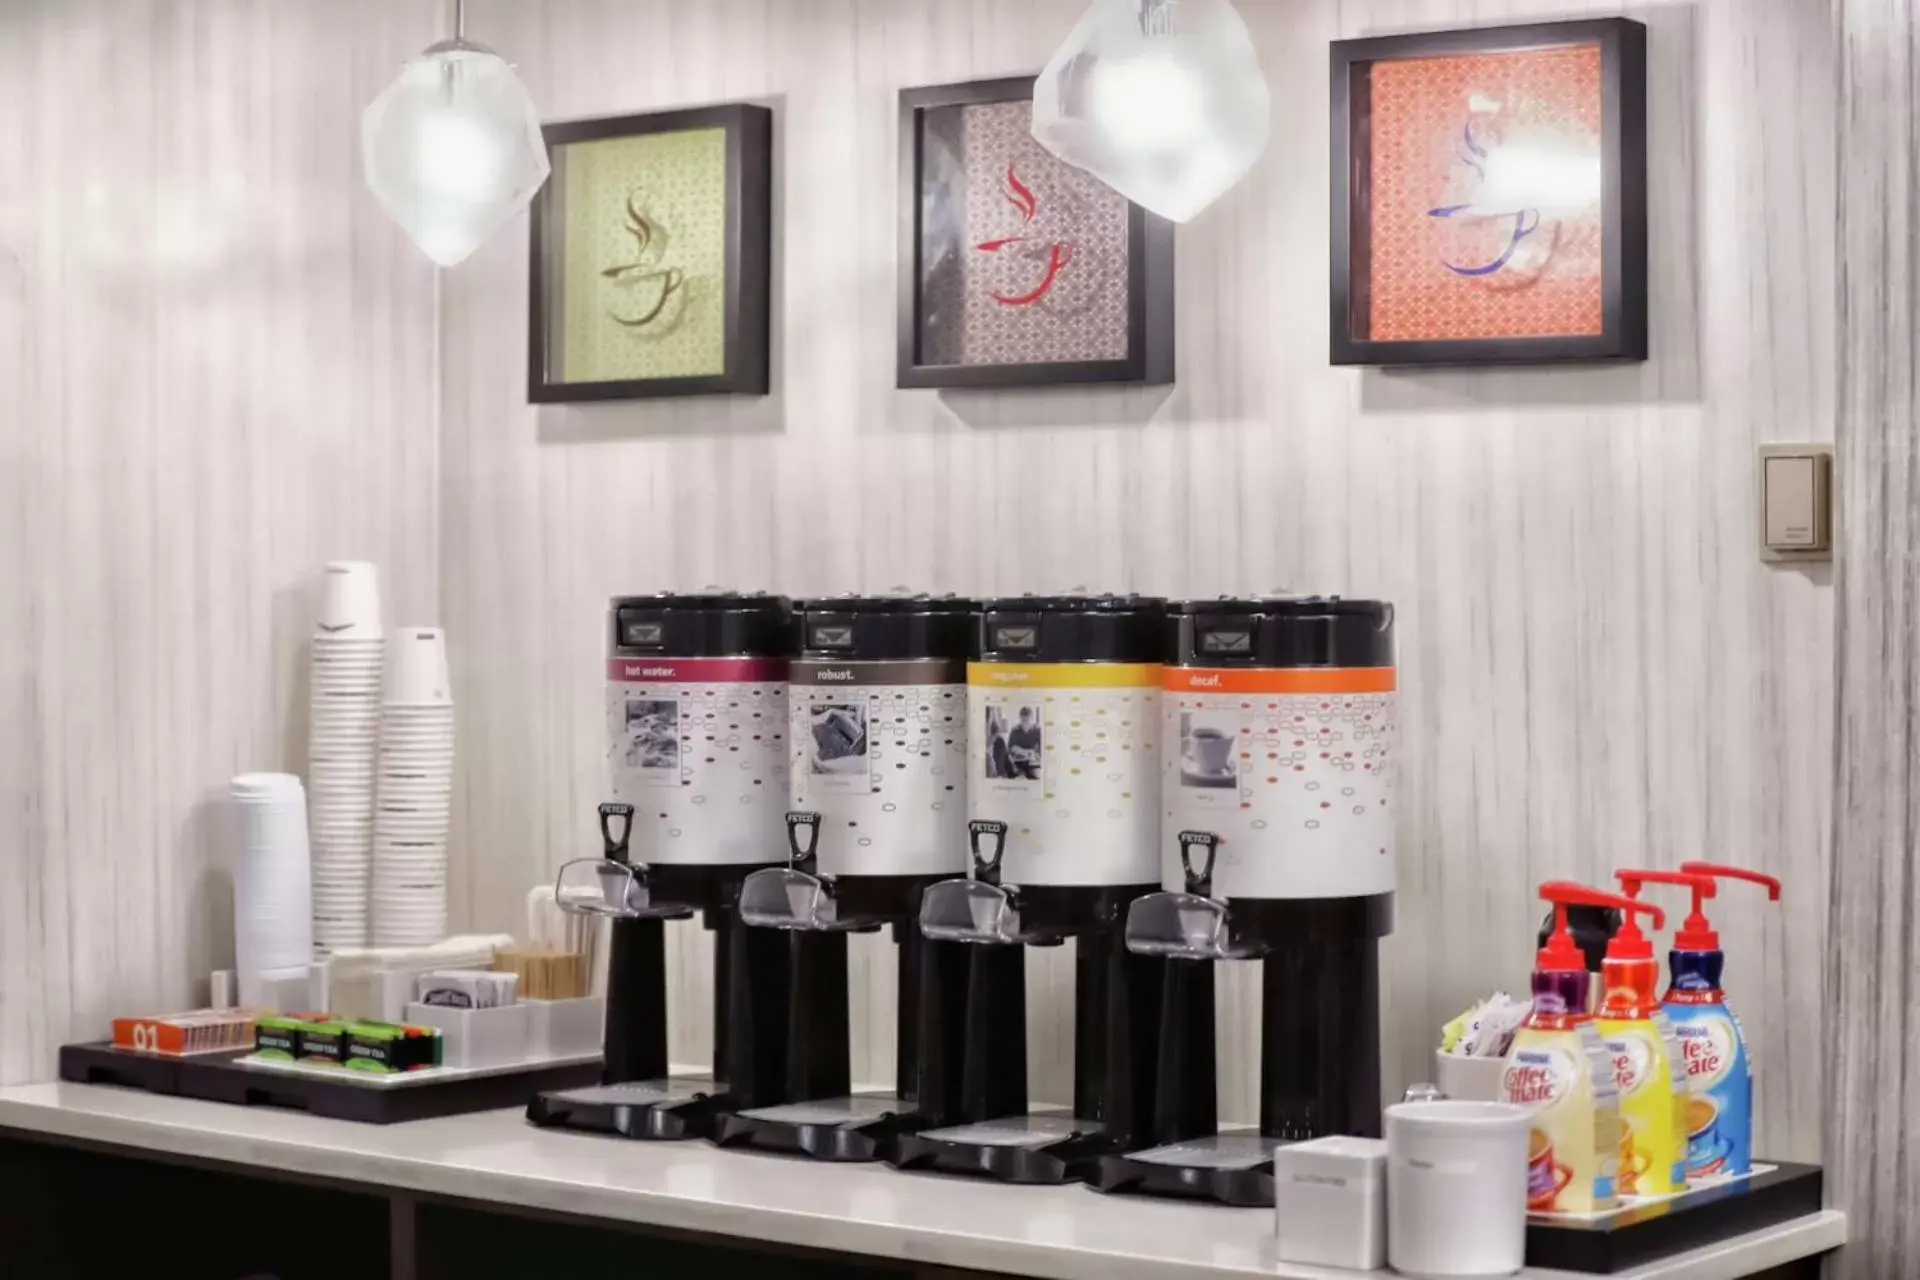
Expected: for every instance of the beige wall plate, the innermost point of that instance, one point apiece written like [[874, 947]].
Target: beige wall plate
[[1796, 502]]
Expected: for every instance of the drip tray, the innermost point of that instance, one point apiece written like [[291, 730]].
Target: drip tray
[[1042, 1147], [682, 1107], [859, 1126], [1231, 1168]]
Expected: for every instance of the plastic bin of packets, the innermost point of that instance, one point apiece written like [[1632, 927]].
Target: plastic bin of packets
[[321, 1040]]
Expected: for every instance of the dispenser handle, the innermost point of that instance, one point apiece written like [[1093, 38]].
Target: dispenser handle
[[1565, 893], [615, 844], [1201, 881], [1632, 878], [799, 855], [1722, 872], [986, 866]]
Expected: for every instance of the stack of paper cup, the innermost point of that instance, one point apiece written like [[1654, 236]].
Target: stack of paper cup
[[415, 792], [345, 718], [272, 917]]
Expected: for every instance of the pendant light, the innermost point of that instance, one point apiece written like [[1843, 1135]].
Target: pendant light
[[1162, 100], [452, 148]]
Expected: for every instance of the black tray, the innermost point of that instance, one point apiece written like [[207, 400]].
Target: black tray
[[845, 1141], [217, 1077], [1247, 1188], [665, 1121], [1702, 1216], [1069, 1158]]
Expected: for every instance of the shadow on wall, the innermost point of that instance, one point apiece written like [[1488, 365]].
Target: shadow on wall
[[1093, 406], [1671, 374], [209, 828]]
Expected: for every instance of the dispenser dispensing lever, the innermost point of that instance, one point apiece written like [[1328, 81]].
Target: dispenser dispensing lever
[[986, 862], [1199, 880], [800, 856], [614, 843]]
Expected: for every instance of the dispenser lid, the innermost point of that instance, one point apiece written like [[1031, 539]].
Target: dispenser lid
[[1697, 933], [895, 627], [1280, 631], [1072, 628], [704, 624]]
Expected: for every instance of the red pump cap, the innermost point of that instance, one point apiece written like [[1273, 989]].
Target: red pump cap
[[1696, 934], [1562, 954], [1630, 943]]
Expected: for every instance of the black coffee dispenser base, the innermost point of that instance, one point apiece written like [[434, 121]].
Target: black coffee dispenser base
[[860, 1127], [1030, 1150], [1230, 1169], [644, 1110]]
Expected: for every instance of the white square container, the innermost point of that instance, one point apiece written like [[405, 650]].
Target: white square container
[[1330, 1203], [568, 1028], [480, 1037]]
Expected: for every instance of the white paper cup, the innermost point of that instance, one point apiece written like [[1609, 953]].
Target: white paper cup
[[350, 600], [417, 667]]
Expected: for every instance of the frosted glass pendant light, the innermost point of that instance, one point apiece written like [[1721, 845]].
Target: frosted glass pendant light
[[452, 148], [1162, 100]]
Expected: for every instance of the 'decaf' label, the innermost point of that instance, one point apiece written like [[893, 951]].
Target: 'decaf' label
[[1719, 1117]]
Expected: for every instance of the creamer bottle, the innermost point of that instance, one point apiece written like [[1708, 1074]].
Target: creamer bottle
[[1644, 1048], [1719, 1123], [1560, 1068]]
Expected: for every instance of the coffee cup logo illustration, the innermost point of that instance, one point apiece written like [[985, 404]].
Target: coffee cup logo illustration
[[1706, 1149], [1546, 1177], [1043, 247], [645, 288]]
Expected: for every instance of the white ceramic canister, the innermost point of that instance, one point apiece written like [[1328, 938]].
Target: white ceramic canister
[[1279, 733], [1456, 1188], [697, 725], [1063, 709], [877, 719]]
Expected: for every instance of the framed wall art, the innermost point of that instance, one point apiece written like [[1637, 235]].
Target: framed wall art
[[1490, 195], [1017, 269], [652, 247]]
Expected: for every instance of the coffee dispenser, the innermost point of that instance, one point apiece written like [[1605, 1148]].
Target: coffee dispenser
[[697, 722], [1063, 705], [877, 704], [1278, 773]]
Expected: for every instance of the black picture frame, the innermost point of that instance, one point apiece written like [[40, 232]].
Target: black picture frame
[[1150, 314], [749, 256], [1623, 59]]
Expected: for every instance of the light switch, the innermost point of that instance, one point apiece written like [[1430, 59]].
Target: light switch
[[1796, 485]]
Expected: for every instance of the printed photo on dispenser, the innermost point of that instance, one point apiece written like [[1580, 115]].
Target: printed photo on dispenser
[[837, 743], [653, 739], [1207, 762], [1011, 745]]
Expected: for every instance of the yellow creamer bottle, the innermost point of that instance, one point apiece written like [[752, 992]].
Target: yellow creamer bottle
[[1559, 1067], [1646, 1064]]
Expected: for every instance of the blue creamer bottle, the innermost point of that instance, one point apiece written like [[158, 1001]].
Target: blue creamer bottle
[[1719, 1116]]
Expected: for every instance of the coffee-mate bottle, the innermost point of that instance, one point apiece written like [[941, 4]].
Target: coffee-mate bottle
[[1719, 1121], [1646, 1052], [1560, 1067]]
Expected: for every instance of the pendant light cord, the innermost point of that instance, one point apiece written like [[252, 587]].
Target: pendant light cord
[[459, 19]]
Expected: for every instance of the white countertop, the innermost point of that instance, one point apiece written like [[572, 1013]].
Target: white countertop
[[1067, 1232]]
